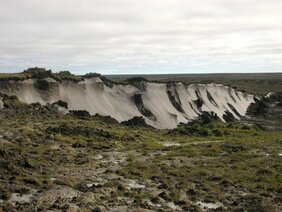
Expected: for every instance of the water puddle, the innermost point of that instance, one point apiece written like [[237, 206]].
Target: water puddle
[[21, 198], [98, 157], [206, 206], [168, 144], [134, 184], [99, 182], [173, 206]]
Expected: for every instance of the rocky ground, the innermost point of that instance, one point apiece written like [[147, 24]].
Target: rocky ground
[[55, 162]]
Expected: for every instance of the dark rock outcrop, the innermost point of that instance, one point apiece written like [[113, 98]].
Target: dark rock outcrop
[[42, 85], [145, 111], [199, 102], [228, 117], [136, 121], [207, 117], [234, 110], [210, 98], [82, 114], [174, 97], [107, 82], [61, 104], [138, 82]]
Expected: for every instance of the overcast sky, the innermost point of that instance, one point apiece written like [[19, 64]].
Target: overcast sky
[[141, 36]]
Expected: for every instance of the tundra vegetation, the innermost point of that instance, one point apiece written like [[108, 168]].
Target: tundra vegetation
[[51, 161], [255, 83]]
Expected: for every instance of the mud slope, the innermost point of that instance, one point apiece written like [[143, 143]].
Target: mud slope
[[266, 112], [163, 105]]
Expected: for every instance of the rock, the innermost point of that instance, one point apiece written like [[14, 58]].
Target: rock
[[42, 85], [207, 117], [82, 114], [136, 121], [61, 104], [143, 109], [138, 82], [96, 209], [174, 97], [228, 117]]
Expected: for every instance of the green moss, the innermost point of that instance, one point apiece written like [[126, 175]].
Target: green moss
[[202, 168]]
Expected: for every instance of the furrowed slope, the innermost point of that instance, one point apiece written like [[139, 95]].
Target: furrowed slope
[[163, 105]]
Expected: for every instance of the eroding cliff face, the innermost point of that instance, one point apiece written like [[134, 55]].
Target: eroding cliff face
[[162, 105], [266, 112], [32, 90]]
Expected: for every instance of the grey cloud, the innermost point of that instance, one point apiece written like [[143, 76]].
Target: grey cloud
[[141, 36]]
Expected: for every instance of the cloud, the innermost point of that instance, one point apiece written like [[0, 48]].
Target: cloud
[[126, 36]]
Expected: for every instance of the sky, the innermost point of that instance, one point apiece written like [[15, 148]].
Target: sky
[[141, 36]]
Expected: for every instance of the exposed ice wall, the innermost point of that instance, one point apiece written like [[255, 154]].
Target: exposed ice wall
[[163, 105]]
